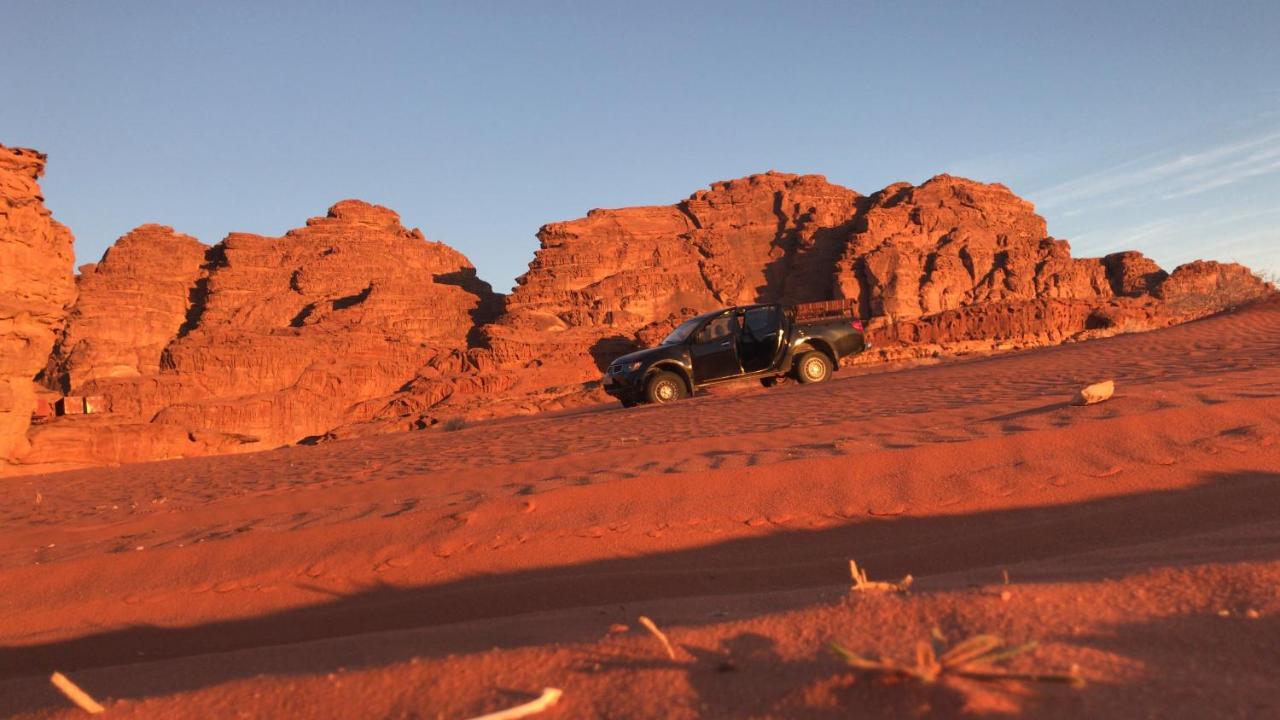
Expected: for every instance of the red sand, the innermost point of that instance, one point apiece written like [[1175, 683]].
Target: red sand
[[449, 574]]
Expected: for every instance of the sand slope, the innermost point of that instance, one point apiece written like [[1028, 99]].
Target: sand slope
[[447, 574]]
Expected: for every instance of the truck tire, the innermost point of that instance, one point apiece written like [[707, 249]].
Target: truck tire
[[664, 387], [813, 367]]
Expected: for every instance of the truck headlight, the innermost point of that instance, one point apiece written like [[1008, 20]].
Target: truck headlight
[[632, 366]]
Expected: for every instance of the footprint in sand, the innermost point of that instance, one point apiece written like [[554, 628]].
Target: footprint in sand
[[393, 563], [451, 547]]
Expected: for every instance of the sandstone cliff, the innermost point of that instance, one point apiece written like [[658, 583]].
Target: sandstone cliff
[[36, 286], [354, 324], [256, 341], [596, 281], [951, 265], [130, 306]]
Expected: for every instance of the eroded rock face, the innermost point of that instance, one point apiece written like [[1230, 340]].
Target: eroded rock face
[[36, 286], [1204, 286], [598, 280], [952, 243], [129, 307], [260, 341], [949, 265], [354, 324]]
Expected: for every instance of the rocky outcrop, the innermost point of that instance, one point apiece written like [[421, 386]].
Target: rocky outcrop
[[260, 341], [129, 307], [953, 243], [950, 265], [596, 281], [354, 324], [1204, 286], [36, 286]]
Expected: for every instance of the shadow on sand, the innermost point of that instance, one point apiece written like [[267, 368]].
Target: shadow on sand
[[951, 548]]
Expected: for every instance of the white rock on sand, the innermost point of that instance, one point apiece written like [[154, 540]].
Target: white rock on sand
[[1096, 393]]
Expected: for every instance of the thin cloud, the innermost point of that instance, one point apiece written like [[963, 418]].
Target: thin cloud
[[1255, 165], [1158, 174]]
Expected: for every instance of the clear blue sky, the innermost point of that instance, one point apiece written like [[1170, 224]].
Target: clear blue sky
[[1149, 126]]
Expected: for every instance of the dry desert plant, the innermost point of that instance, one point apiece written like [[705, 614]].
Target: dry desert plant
[[73, 692], [862, 584], [652, 627], [453, 424], [549, 697], [976, 658]]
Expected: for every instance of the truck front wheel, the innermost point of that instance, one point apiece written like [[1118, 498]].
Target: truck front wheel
[[813, 367], [665, 387]]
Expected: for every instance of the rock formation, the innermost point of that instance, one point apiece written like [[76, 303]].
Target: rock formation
[[258, 341], [354, 324], [36, 286], [596, 281], [951, 243], [130, 307], [949, 265]]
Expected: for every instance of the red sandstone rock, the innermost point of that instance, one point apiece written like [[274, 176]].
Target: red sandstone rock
[[130, 306], [952, 243], [36, 286], [354, 324], [596, 281], [1133, 274], [275, 339], [1204, 286]]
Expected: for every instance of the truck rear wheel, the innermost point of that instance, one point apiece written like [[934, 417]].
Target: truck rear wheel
[[665, 387], [813, 367]]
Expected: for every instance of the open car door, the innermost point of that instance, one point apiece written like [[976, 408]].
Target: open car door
[[714, 349]]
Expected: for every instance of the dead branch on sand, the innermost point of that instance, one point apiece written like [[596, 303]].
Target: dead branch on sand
[[862, 584], [653, 628], [975, 658], [73, 692], [549, 697]]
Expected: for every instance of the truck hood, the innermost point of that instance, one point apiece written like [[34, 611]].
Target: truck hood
[[652, 353]]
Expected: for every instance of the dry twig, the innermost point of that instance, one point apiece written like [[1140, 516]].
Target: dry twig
[[862, 584], [73, 692], [975, 658], [549, 697], [651, 627]]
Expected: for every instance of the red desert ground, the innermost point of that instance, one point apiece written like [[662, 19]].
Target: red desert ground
[[333, 474]]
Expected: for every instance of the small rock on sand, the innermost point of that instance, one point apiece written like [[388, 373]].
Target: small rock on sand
[[1096, 393]]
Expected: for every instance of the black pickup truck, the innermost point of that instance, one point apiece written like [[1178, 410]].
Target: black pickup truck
[[769, 343]]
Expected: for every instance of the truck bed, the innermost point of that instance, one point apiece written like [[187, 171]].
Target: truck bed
[[822, 311]]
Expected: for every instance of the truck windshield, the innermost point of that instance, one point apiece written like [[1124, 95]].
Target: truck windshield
[[682, 333]]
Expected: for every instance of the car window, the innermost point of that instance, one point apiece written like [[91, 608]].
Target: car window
[[761, 322], [716, 328], [679, 334]]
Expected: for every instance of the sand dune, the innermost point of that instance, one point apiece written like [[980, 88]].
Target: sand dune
[[444, 574]]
